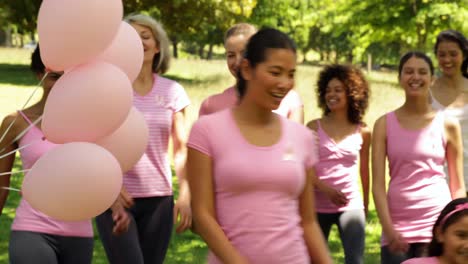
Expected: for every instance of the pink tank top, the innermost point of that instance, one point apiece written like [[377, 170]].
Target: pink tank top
[[338, 167], [417, 191], [28, 218]]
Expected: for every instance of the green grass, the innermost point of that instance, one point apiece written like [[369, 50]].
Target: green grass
[[200, 79]]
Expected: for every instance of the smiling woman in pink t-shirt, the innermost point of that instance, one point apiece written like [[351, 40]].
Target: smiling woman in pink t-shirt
[[234, 42], [417, 142], [250, 170]]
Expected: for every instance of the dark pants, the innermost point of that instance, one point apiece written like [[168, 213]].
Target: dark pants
[[31, 247], [351, 226], [415, 250], [147, 238]]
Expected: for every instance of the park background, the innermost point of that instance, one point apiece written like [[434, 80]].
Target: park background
[[371, 34]]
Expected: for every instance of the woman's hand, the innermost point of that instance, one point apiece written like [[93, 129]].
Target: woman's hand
[[120, 217], [182, 213], [335, 196], [397, 243]]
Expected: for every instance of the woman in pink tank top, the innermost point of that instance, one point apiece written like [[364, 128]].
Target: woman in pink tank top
[[417, 141], [234, 42], [35, 237], [449, 244], [343, 95]]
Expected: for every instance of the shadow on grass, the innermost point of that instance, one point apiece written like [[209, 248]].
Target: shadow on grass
[[16, 74], [212, 79]]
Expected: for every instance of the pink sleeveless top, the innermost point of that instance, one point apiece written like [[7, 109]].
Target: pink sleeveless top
[[417, 191], [28, 218], [338, 167]]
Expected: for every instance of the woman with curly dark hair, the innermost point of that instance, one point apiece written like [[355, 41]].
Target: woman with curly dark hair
[[344, 139]]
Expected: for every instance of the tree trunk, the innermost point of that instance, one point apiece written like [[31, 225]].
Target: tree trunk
[[201, 51], [209, 56], [175, 52], [369, 63]]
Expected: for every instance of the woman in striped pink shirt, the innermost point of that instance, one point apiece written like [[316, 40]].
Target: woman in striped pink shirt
[[147, 191]]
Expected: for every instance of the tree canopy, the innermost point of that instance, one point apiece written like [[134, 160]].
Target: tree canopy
[[337, 30]]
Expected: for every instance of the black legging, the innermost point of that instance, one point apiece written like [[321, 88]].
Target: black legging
[[31, 247], [147, 238]]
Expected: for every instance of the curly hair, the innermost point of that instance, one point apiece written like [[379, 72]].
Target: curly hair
[[356, 85]]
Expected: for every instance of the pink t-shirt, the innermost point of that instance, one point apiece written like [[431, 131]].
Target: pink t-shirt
[[430, 260], [257, 188], [228, 99], [338, 167], [417, 191], [29, 219], [152, 175]]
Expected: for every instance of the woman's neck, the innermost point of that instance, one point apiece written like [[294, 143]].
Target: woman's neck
[[253, 114], [338, 117], [454, 82], [417, 105], [144, 81]]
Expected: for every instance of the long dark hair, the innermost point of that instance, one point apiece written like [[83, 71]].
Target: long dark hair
[[445, 219], [255, 52], [457, 37]]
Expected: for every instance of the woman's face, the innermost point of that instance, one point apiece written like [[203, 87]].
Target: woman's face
[[335, 95], [450, 58], [235, 46], [49, 80], [455, 242], [272, 79], [150, 44], [416, 77]]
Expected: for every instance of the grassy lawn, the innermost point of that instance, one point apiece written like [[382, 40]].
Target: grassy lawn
[[200, 79]]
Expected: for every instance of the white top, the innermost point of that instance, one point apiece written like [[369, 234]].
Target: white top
[[460, 113]]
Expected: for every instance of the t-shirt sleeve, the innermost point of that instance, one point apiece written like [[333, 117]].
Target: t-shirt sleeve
[[312, 148], [199, 137], [204, 107], [181, 99]]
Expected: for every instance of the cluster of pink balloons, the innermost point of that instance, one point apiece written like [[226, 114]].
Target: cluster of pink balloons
[[89, 110]]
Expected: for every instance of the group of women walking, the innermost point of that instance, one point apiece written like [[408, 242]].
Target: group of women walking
[[255, 183]]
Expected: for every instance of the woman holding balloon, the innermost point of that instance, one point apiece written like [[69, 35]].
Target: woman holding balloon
[[147, 191], [36, 237]]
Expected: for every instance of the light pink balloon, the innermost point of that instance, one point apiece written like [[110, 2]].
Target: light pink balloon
[[129, 141], [73, 32], [125, 51], [74, 181], [87, 103]]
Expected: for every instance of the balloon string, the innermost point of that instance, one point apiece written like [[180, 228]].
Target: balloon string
[[10, 189], [13, 172], [20, 135], [20, 148], [22, 108]]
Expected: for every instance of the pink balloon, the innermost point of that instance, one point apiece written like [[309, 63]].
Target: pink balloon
[[125, 51], [73, 32], [129, 141], [73, 182], [87, 103]]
